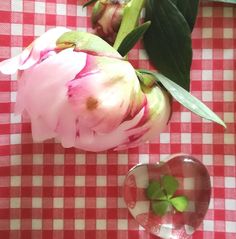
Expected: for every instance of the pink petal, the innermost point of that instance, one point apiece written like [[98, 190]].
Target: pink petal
[[42, 45], [43, 91], [66, 127], [110, 91], [33, 53], [99, 142], [40, 129], [10, 66]]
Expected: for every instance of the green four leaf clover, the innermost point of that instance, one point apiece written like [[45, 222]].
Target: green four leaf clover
[[161, 193]]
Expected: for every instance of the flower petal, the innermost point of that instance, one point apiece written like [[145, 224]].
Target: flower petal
[[33, 53], [102, 97], [43, 91], [10, 66]]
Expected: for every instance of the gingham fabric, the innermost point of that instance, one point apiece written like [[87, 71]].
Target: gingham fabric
[[50, 192]]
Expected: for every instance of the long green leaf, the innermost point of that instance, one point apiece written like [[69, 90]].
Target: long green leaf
[[131, 39], [168, 41], [186, 99], [224, 1], [189, 9]]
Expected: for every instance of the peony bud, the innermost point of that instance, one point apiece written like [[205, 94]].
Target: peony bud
[[77, 88], [106, 18]]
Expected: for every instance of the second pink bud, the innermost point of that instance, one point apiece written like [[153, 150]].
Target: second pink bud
[[106, 18]]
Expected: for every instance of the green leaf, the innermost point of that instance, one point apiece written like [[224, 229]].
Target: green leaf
[[160, 207], [84, 41], [170, 184], [224, 1], [89, 2], [180, 203], [131, 39], [154, 191], [189, 9], [168, 41], [186, 99]]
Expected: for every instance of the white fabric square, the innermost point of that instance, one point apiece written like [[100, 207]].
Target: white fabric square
[[39, 7], [101, 180], [208, 225], [101, 224], [16, 29], [17, 6], [36, 224], [122, 224], [186, 138], [143, 158], [82, 12], [164, 138], [79, 224], [58, 202], [207, 12], [15, 224], [80, 159], [15, 202], [207, 33], [79, 202], [36, 202], [122, 158], [207, 54], [228, 33], [185, 117], [58, 224], [101, 202], [15, 181], [101, 159], [207, 75], [230, 226], [58, 181], [79, 181], [230, 182], [61, 9], [38, 159], [37, 180]]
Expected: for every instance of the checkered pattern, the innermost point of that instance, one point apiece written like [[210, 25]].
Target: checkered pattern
[[50, 192]]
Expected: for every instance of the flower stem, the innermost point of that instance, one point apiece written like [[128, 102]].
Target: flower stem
[[129, 21]]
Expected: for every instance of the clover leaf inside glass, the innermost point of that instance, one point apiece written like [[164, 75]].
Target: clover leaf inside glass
[[161, 194]]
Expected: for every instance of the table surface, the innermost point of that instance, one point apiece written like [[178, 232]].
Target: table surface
[[50, 192]]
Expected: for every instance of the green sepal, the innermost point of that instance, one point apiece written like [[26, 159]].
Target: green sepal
[[146, 79], [160, 207], [89, 3], [131, 39], [186, 99], [86, 42], [180, 203]]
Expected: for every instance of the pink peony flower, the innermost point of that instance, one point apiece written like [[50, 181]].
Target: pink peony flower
[[75, 87]]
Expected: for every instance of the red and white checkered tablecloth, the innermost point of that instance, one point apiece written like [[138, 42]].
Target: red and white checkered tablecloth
[[50, 192]]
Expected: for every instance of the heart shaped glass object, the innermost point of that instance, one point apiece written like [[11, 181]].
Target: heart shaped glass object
[[194, 183]]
